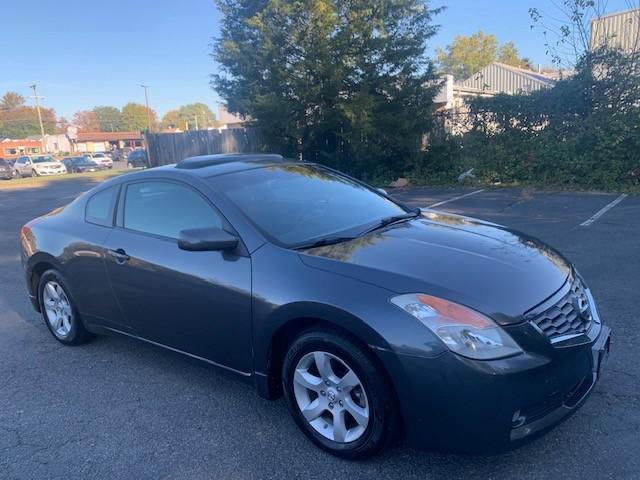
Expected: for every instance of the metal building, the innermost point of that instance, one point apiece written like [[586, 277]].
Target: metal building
[[619, 30], [500, 78]]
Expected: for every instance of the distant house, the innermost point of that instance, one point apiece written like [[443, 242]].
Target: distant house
[[10, 148], [54, 143], [107, 141], [617, 30], [228, 120]]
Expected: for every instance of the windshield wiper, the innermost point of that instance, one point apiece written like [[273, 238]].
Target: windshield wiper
[[323, 242], [395, 218]]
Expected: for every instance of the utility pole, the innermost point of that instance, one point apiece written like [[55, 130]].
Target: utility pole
[[37, 99], [146, 101]]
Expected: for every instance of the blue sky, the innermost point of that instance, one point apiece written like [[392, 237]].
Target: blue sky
[[83, 53]]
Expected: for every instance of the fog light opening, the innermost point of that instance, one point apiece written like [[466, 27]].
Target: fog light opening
[[518, 420]]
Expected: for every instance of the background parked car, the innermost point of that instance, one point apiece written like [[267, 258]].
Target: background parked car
[[102, 159], [81, 165], [6, 170], [37, 165], [137, 158]]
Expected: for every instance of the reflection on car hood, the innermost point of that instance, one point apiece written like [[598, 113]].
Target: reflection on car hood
[[484, 266]]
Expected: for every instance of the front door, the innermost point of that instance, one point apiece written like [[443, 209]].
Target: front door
[[195, 302]]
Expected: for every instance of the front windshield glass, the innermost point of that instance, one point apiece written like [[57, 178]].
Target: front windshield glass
[[42, 159], [297, 204]]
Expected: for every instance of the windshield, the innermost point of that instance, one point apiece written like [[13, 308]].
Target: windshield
[[297, 204], [42, 159], [98, 155]]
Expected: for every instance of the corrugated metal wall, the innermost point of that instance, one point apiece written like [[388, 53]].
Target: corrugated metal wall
[[498, 78], [620, 30]]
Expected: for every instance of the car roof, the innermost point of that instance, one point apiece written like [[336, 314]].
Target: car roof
[[205, 166], [212, 165]]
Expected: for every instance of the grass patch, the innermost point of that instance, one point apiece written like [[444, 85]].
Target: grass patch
[[39, 182]]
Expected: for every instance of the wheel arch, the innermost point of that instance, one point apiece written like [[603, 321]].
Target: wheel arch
[[289, 322], [37, 264]]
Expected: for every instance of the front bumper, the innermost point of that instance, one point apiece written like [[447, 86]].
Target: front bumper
[[456, 404], [45, 173]]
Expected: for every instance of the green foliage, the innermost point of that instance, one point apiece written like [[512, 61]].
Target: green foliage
[[583, 132], [109, 118], [469, 54], [20, 121], [186, 116], [134, 117], [341, 82]]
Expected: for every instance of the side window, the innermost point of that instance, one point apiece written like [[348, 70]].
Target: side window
[[100, 207], [166, 208]]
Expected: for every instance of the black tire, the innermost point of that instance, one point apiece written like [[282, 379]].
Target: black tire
[[383, 413], [78, 334]]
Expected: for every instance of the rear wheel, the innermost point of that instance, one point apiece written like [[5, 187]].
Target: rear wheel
[[59, 311], [338, 396]]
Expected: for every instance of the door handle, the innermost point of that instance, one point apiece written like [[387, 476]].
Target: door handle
[[119, 255]]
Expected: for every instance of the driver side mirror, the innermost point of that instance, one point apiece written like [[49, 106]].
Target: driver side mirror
[[206, 240], [382, 191]]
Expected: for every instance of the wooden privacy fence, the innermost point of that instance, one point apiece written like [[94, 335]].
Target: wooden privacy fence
[[166, 148]]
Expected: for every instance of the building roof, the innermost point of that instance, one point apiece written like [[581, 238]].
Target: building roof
[[501, 78], [107, 136], [225, 117]]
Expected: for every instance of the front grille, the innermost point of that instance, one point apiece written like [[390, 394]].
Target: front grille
[[571, 315]]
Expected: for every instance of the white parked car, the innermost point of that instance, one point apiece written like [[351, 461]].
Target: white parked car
[[103, 159], [37, 165]]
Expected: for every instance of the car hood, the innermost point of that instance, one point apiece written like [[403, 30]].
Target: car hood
[[490, 268], [47, 164]]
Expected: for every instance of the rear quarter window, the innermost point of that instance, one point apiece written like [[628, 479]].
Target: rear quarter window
[[100, 207]]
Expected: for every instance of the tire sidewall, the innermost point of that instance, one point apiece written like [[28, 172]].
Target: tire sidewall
[[379, 430], [77, 332]]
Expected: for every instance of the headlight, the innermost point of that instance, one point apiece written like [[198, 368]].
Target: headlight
[[464, 331]]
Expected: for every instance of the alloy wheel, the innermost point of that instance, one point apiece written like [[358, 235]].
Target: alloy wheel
[[331, 397], [58, 309]]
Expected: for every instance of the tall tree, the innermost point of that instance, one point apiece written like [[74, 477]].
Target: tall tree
[[134, 117], [86, 121], [109, 118], [188, 116], [467, 55], [21, 122], [11, 100], [338, 81]]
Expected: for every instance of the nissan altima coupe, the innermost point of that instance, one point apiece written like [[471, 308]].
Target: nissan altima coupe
[[372, 319]]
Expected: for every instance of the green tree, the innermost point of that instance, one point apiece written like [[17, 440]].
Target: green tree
[[11, 100], [134, 117], [109, 118], [19, 121], [336, 81], [469, 54], [188, 115]]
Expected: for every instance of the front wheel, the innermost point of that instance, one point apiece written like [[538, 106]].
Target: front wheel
[[338, 396], [59, 311]]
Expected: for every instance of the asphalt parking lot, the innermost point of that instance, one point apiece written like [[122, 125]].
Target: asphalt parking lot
[[115, 408]]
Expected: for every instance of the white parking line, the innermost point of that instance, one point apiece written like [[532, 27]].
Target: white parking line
[[455, 198], [603, 210]]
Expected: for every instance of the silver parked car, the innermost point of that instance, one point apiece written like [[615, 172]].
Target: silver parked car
[[37, 165]]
